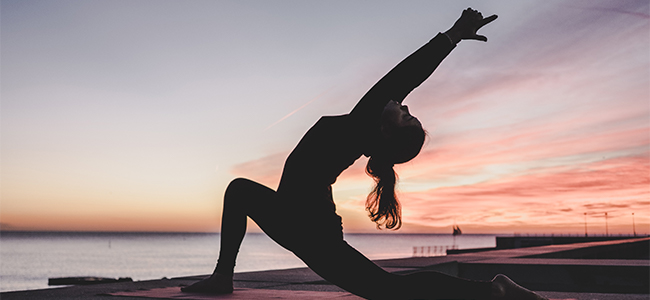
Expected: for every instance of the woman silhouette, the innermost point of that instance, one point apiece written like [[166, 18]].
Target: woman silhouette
[[301, 215]]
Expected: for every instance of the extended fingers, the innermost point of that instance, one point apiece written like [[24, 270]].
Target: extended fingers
[[480, 38], [478, 15], [471, 21], [487, 20]]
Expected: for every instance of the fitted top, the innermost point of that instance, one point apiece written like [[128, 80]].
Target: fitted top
[[335, 142]]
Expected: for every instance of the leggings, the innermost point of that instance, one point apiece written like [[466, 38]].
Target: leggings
[[331, 258]]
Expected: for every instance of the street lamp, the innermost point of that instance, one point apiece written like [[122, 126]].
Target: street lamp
[[606, 229], [633, 225]]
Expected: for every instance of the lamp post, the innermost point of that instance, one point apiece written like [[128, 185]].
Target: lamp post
[[606, 228], [585, 224], [633, 225]]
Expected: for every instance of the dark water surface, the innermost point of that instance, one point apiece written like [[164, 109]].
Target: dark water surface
[[28, 259]]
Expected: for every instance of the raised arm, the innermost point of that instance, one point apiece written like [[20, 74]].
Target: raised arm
[[404, 77], [417, 67]]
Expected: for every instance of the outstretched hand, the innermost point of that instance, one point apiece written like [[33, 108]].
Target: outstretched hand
[[468, 24]]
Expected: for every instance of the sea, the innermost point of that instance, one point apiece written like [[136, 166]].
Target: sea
[[28, 259]]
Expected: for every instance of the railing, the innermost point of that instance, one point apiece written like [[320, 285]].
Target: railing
[[517, 234], [427, 251]]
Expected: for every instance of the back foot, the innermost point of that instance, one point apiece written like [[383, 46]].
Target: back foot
[[506, 289], [216, 284]]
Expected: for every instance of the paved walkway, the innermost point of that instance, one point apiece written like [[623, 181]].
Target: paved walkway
[[557, 272]]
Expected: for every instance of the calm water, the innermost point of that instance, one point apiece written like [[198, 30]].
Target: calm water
[[27, 260]]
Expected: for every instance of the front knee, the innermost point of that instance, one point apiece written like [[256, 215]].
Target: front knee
[[234, 191], [248, 191], [238, 184]]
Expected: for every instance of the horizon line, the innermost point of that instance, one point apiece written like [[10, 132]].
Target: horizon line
[[349, 233]]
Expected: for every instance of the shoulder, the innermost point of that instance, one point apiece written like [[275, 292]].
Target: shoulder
[[340, 120]]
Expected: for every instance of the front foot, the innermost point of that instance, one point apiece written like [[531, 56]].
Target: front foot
[[216, 284], [505, 289]]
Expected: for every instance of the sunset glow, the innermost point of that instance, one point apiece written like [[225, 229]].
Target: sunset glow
[[139, 124]]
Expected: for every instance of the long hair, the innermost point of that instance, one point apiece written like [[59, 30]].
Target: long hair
[[402, 145], [382, 203]]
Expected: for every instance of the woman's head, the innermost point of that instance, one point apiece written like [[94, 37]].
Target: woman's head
[[401, 140], [398, 115], [402, 134]]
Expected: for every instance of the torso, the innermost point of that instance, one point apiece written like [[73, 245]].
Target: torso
[[332, 145]]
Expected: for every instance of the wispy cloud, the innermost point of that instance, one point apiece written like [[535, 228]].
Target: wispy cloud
[[296, 110], [627, 9], [265, 170]]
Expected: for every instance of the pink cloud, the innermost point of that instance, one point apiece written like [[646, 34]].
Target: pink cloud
[[266, 170], [551, 198]]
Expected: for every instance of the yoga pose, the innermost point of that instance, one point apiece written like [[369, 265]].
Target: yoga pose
[[301, 215]]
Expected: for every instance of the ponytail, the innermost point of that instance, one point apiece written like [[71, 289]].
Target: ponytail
[[382, 204], [401, 145]]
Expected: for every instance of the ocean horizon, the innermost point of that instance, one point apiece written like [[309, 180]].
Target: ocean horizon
[[29, 258]]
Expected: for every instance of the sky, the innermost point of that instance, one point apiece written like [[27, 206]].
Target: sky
[[135, 115]]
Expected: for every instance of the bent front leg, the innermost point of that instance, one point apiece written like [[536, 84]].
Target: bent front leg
[[242, 198]]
